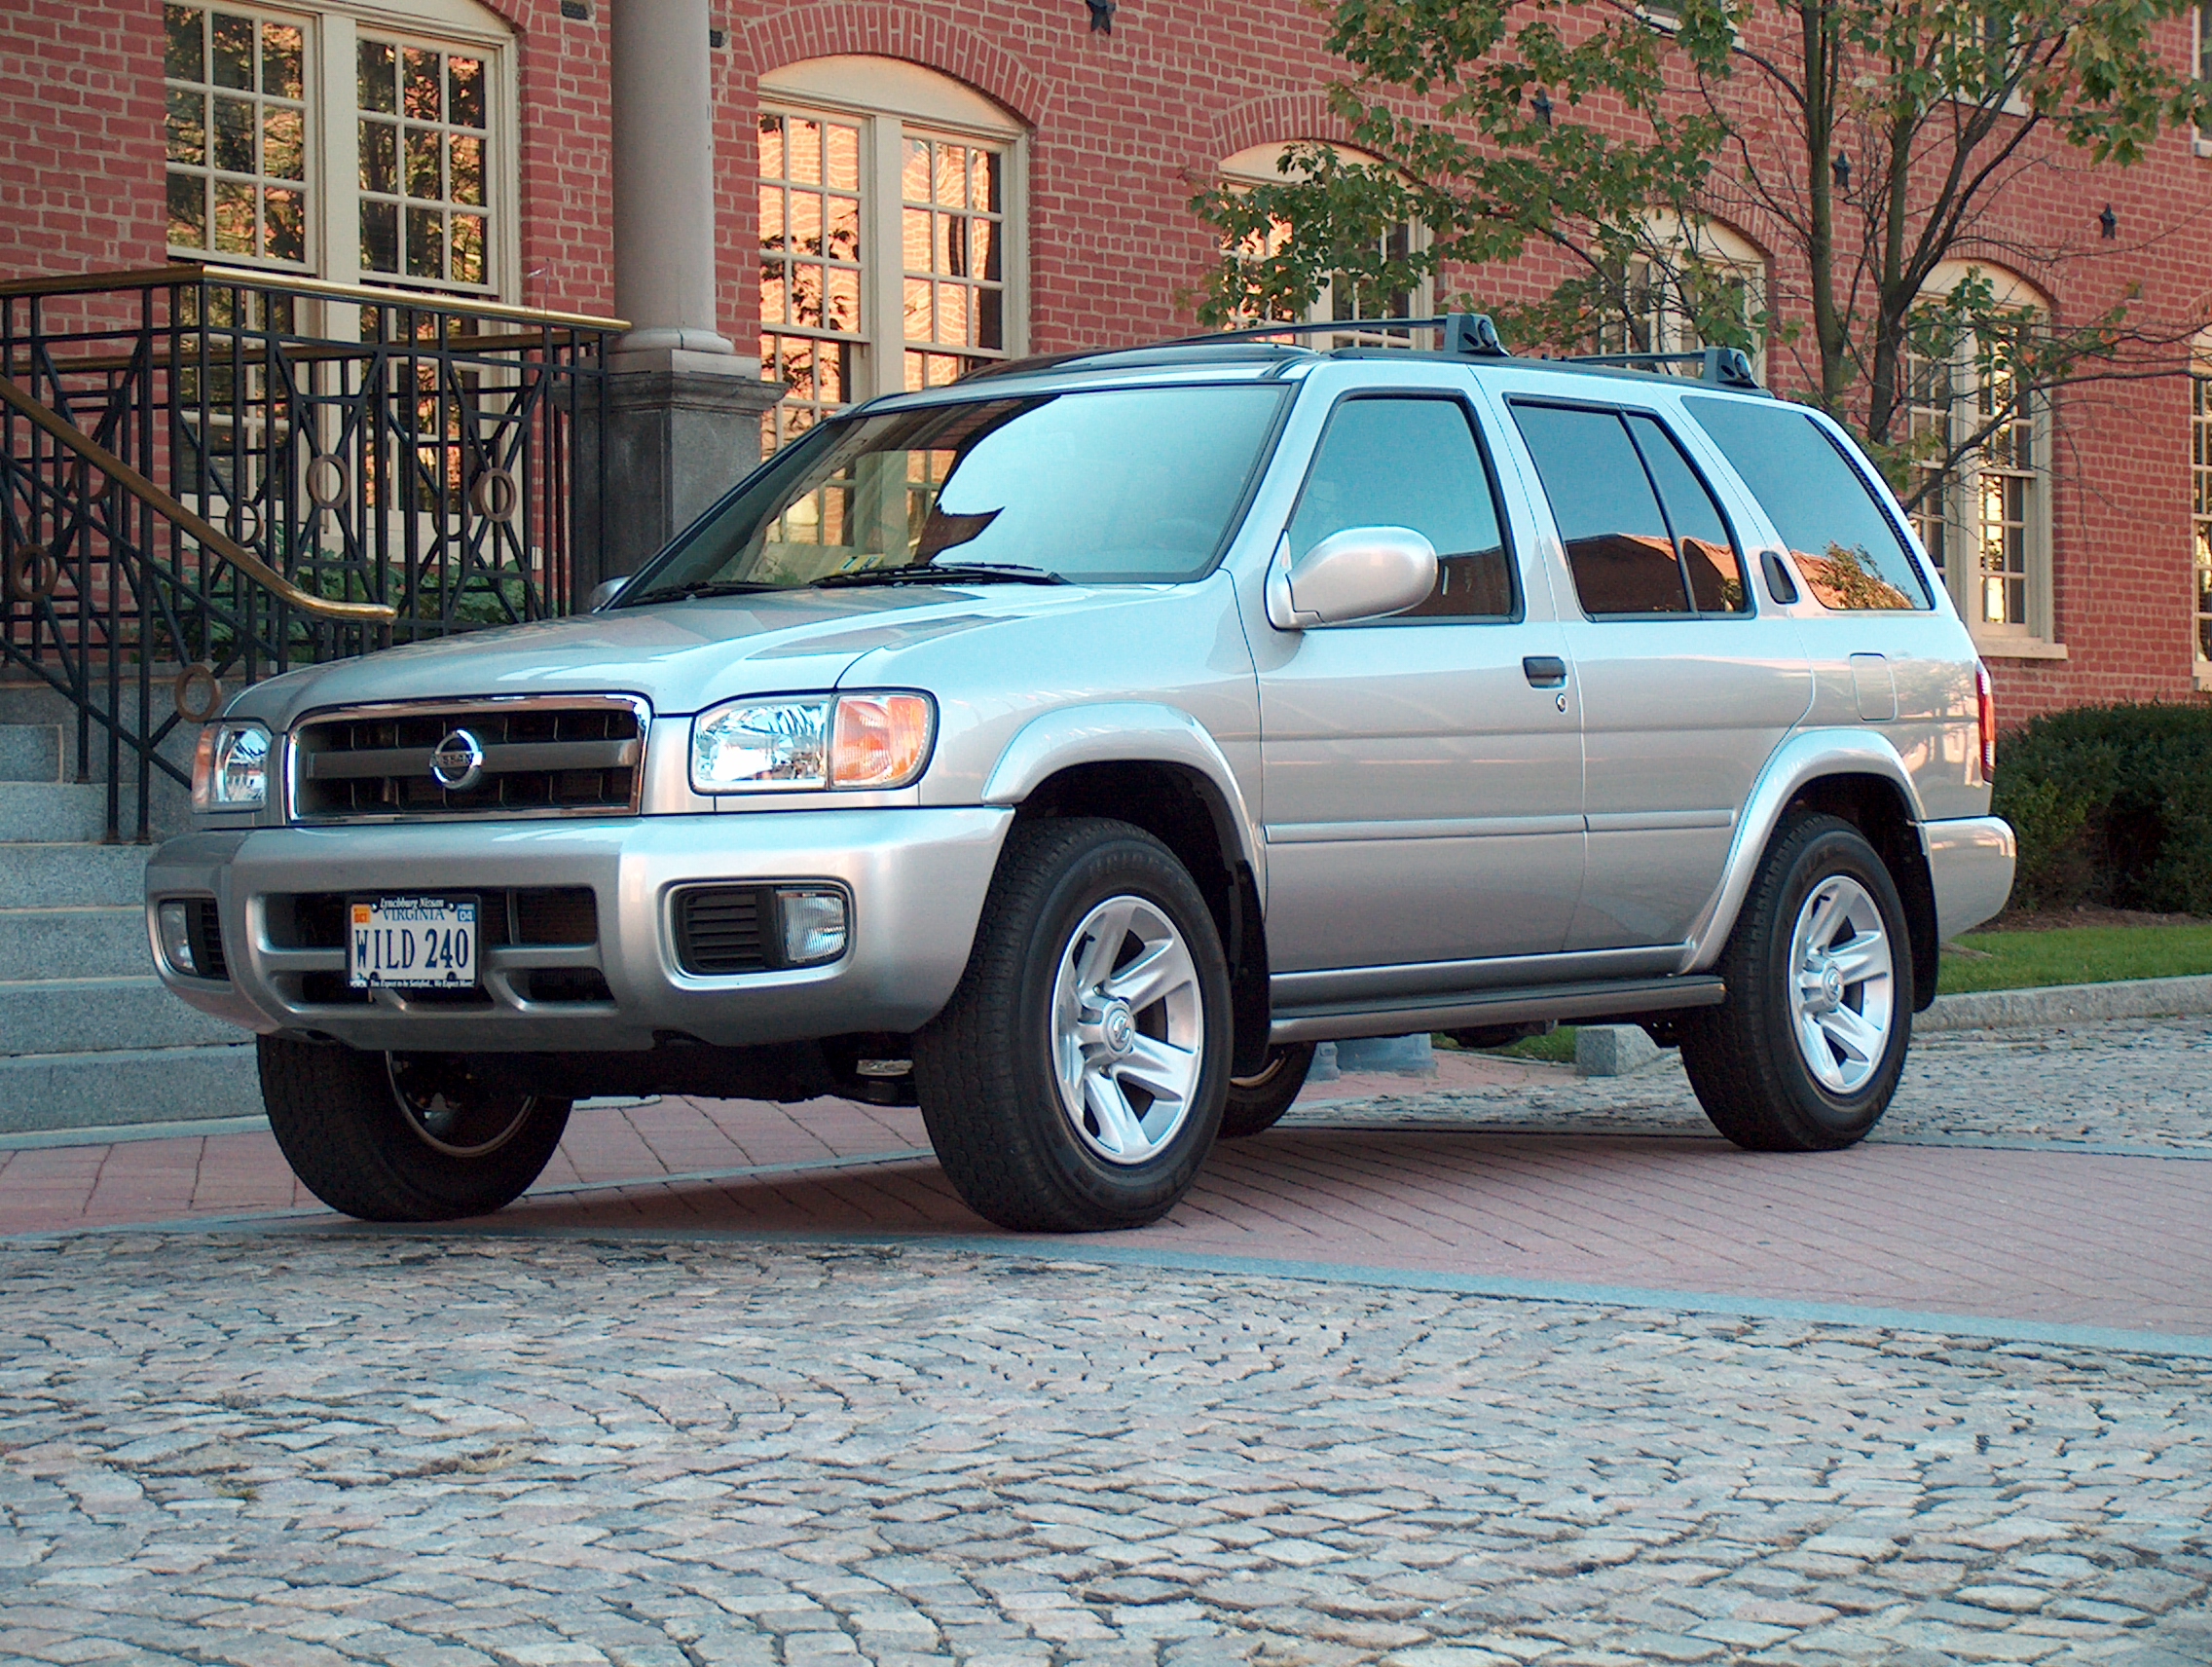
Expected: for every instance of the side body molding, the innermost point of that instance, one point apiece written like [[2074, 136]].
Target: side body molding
[[1804, 757], [1124, 733]]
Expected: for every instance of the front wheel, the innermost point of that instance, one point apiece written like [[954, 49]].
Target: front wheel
[[1075, 1081], [1808, 1048], [403, 1136]]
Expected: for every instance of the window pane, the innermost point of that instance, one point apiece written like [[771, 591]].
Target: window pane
[[422, 163], [187, 211], [1411, 462], [1131, 485], [422, 94], [1839, 538], [426, 244], [281, 56], [234, 135], [1709, 551], [234, 218], [283, 143], [467, 164], [1616, 540], [380, 157], [377, 88], [283, 225], [185, 57], [467, 77], [187, 127], [233, 55], [379, 237], [469, 248]]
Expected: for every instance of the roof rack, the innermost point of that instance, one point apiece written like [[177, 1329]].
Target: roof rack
[[1721, 367], [1469, 334]]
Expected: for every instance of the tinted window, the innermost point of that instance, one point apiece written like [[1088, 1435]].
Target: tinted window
[[1708, 553], [1413, 462], [1843, 543], [1616, 537]]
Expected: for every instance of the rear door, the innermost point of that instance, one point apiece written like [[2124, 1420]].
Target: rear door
[[1685, 688], [1423, 773]]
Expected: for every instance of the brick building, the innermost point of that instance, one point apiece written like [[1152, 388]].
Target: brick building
[[937, 182]]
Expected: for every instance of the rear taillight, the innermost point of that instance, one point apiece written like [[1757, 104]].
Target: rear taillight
[[1986, 698]]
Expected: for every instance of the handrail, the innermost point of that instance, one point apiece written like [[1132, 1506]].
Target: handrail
[[212, 538], [196, 271]]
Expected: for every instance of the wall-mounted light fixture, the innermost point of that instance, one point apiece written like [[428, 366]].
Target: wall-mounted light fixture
[[2108, 224], [1841, 169], [1101, 15], [1542, 106]]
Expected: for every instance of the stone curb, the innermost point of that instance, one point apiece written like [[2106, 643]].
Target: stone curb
[[2067, 1004]]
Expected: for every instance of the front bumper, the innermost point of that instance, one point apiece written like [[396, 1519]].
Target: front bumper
[[916, 877], [1969, 861]]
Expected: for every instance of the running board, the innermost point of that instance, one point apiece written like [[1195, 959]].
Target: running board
[[1618, 999]]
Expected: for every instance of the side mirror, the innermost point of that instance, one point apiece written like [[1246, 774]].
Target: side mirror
[[1363, 573], [604, 593]]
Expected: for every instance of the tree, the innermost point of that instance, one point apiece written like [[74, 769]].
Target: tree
[[1878, 135]]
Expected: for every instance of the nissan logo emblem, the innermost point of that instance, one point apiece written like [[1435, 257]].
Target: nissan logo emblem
[[458, 762]]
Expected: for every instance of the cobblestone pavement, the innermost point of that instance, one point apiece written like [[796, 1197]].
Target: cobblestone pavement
[[335, 1447], [2138, 1082]]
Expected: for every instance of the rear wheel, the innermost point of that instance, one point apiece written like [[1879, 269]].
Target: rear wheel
[[1808, 1048], [1075, 1081], [403, 1136], [1257, 1102]]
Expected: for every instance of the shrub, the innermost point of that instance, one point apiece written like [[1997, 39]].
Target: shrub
[[2113, 804]]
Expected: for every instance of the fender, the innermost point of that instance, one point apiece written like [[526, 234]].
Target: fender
[[1125, 732], [1804, 757]]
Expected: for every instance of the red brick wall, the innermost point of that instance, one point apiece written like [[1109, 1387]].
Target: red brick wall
[[1124, 129]]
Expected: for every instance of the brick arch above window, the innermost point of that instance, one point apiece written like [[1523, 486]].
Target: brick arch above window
[[788, 37], [1267, 120]]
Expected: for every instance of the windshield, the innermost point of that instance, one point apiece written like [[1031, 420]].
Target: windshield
[[1117, 485]]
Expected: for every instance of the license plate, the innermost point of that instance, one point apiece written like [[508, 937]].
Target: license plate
[[412, 942]]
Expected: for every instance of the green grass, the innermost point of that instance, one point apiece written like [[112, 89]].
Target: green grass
[[2076, 955], [1555, 1047]]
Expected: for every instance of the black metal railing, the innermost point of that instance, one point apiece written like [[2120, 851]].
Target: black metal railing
[[211, 476]]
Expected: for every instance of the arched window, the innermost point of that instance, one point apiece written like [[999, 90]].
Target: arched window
[[345, 143], [1661, 312], [1341, 299], [892, 233], [1984, 443]]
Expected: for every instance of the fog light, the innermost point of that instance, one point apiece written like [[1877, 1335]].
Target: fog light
[[814, 926], [174, 920]]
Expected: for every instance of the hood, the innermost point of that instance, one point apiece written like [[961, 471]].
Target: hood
[[679, 655]]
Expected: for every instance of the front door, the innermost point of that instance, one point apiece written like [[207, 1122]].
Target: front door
[[1423, 773]]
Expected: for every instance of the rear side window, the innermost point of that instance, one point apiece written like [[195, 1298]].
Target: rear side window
[[1642, 534], [1839, 538], [1413, 462]]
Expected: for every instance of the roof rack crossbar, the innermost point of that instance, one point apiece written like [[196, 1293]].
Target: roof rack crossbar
[[1471, 334], [1721, 367]]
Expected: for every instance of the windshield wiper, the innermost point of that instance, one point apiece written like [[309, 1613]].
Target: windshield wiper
[[705, 587], [945, 573]]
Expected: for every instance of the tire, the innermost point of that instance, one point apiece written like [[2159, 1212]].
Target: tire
[[1795, 1059], [1256, 1103], [402, 1138], [1030, 1079]]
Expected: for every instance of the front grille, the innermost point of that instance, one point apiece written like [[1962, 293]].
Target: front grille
[[204, 928], [543, 917], [724, 929], [555, 756]]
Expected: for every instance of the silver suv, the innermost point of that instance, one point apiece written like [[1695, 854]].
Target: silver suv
[[1071, 749]]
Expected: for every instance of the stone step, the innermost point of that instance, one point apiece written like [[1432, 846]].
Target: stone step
[[72, 944], [72, 876], [97, 1016], [30, 752], [50, 811], [152, 1085]]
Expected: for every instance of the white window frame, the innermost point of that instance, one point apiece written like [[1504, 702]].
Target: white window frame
[[2201, 506], [886, 97], [2200, 44], [2035, 637], [333, 140], [1258, 165]]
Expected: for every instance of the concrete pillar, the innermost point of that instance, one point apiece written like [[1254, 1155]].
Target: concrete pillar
[[683, 407], [664, 177]]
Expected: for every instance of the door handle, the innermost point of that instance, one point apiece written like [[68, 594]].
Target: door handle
[[1544, 671]]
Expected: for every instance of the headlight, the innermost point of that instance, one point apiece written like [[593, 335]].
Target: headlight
[[872, 740], [229, 771]]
